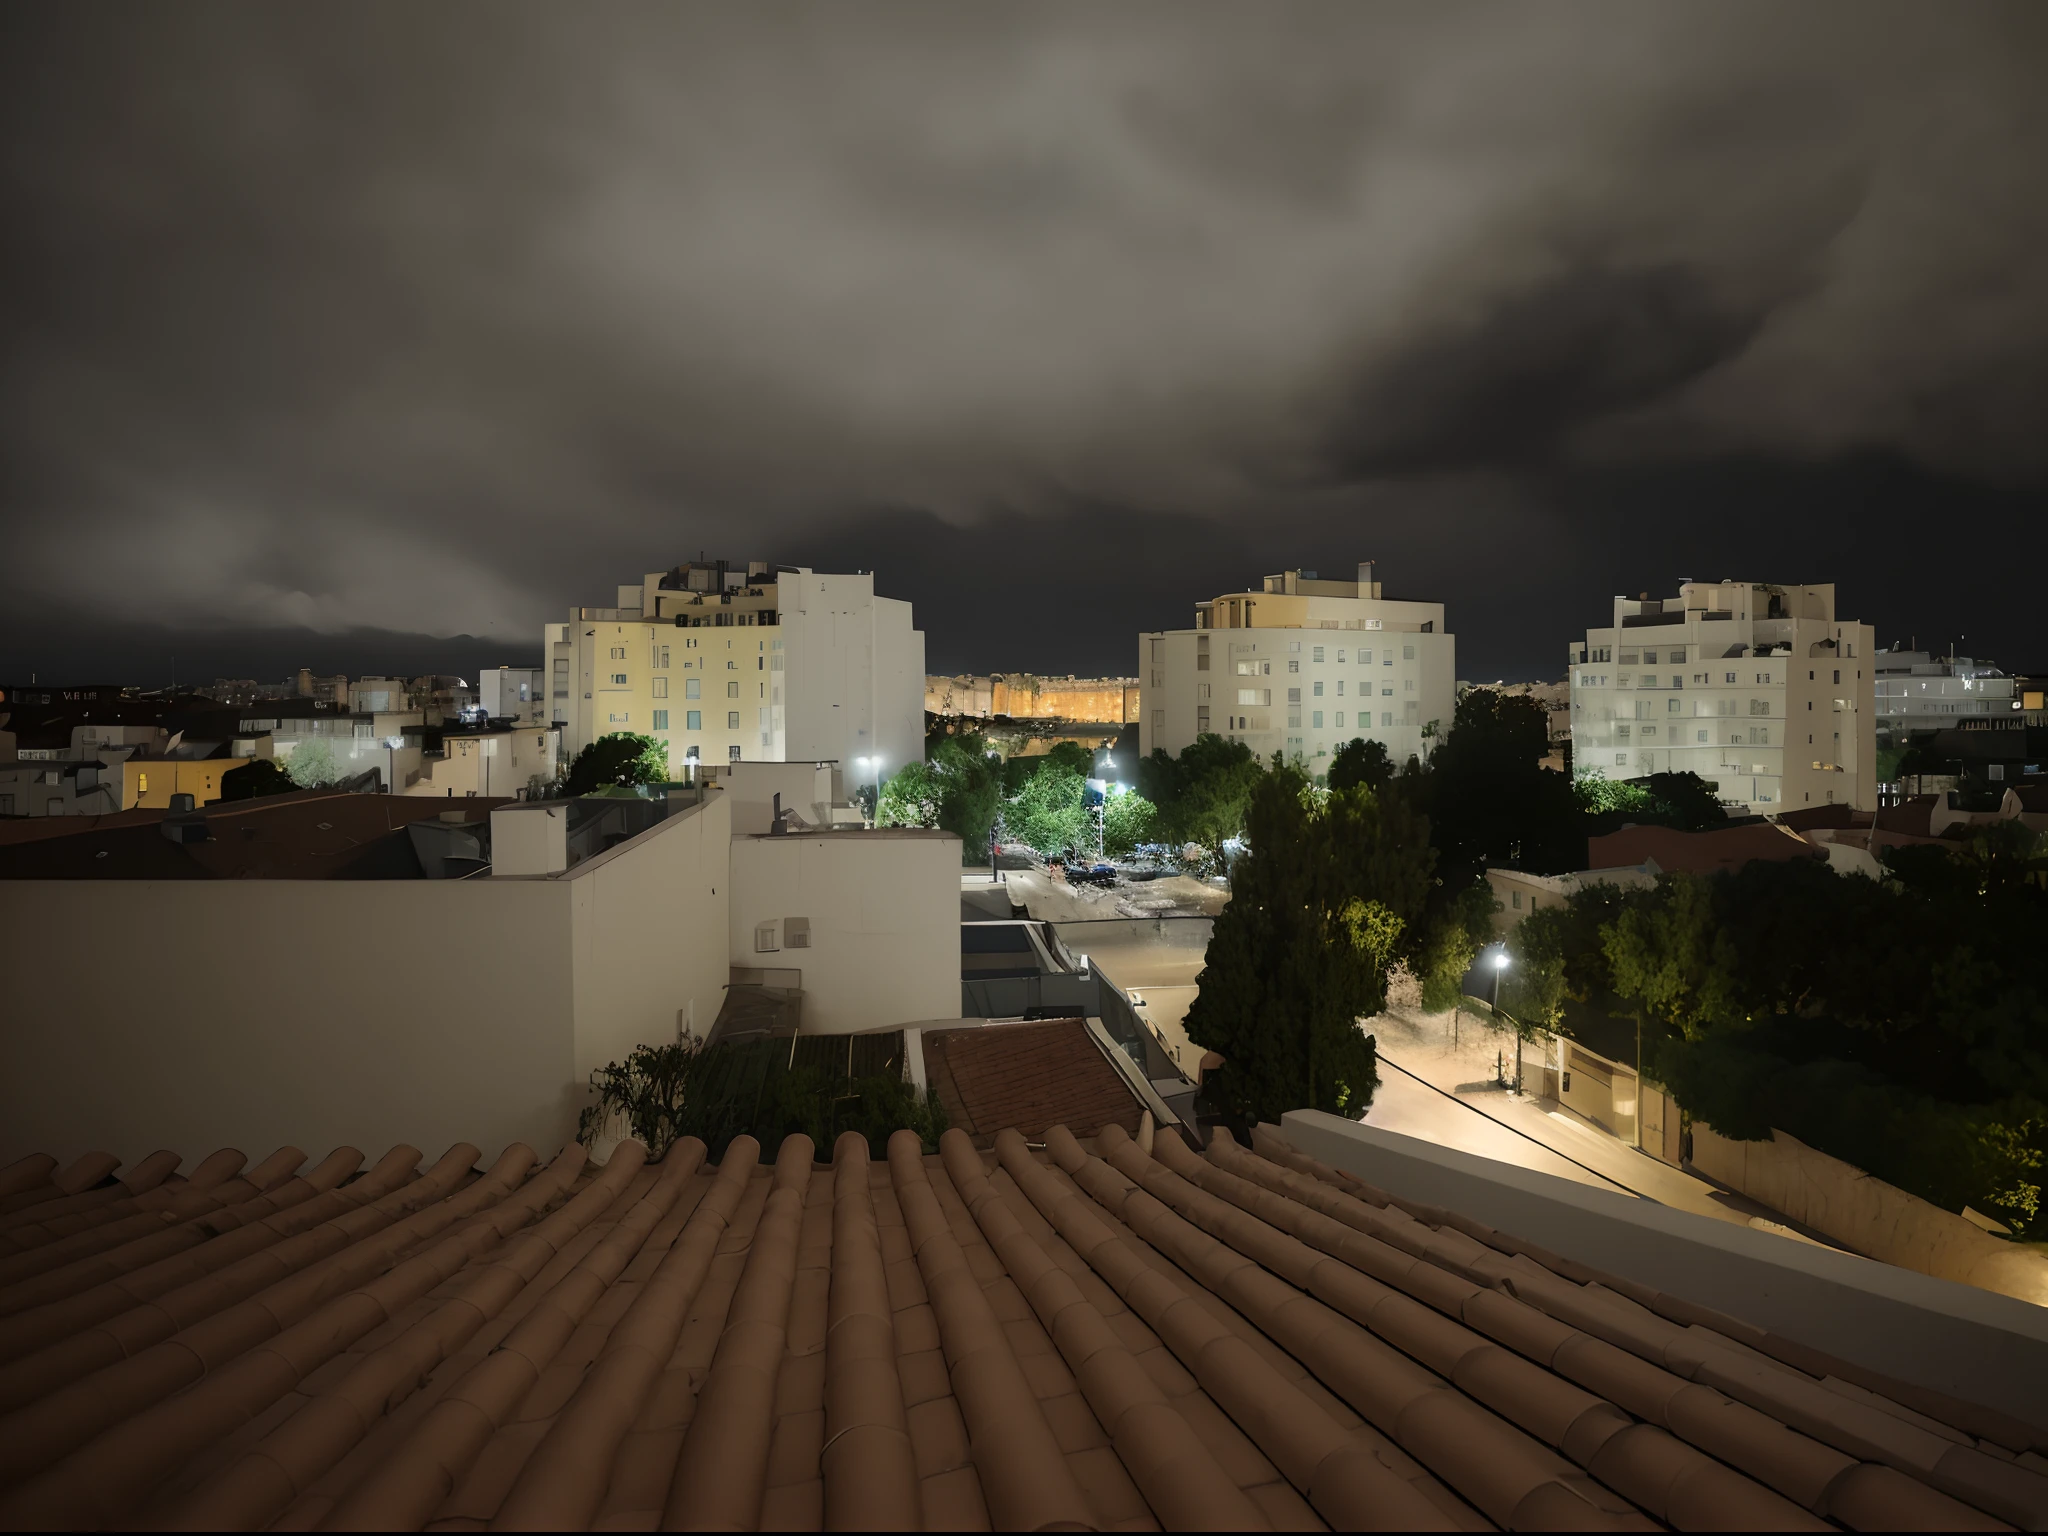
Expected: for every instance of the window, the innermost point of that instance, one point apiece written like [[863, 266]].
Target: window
[[764, 939], [1294, 695], [1340, 719], [1677, 681], [1316, 718], [693, 720], [1318, 656], [1763, 706], [618, 679], [1649, 658], [1621, 732], [1386, 693], [693, 688], [661, 656], [1630, 658], [732, 690], [1340, 687], [661, 687], [732, 720], [1294, 666], [1319, 690], [1649, 730], [1158, 719], [1201, 690], [1702, 735], [1838, 674], [142, 783], [618, 653], [619, 718], [1373, 624], [731, 666], [561, 664], [1408, 685], [732, 753], [1621, 759], [1673, 706], [1407, 653], [1365, 658], [661, 719], [1386, 717], [689, 645], [1516, 897], [1340, 655]]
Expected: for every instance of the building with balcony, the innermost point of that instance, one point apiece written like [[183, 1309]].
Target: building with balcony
[[1301, 667], [1918, 693], [1761, 690], [766, 664]]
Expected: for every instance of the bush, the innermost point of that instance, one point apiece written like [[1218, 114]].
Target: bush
[[767, 1089], [312, 765], [622, 758], [255, 778]]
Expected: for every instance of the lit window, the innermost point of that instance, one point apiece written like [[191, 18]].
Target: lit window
[[1319, 690], [661, 719], [618, 679], [693, 720], [693, 688]]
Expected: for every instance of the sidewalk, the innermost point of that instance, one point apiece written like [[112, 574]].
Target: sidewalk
[[1445, 1092]]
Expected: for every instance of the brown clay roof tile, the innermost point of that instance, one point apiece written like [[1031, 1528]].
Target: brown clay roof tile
[[1106, 1336]]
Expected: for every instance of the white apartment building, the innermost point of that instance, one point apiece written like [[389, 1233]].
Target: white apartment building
[[1759, 689], [514, 693], [1918, 693], [1300, 667], [766, 664]]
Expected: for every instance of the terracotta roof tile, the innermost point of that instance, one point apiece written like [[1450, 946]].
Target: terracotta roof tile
[[1091, 1335]]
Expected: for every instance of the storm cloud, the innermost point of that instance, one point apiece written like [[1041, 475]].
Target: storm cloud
[[435, 321]]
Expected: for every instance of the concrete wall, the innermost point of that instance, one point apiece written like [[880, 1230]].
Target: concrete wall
[[649, 924], [232, 1035], [1869, 1215], [751, 788], [884, 914], [1969, 1343]]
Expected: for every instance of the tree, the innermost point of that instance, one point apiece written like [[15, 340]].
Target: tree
[[1666, 957], [970, 790], [911, 798], [1456, 925], [1302, 952], [1050, 814], [623, 757], [1489, 798], [1686, 802], [1360, 761], [257, 777], [312, 764], [1204, 795], [1127, 821]]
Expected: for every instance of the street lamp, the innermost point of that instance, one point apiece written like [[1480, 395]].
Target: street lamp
[[1500, 963]]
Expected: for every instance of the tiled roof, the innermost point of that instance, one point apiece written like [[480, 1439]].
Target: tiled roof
[[1075, 1336], [1702, 853], [1027, 1077]]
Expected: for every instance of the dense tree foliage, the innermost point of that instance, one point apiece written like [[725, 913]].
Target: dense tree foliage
[[312, 765], [1360, 761], [1050, 814], [1898, 1024], [959, 790], [1490, 800], [258, 776], [622, 758], [1202, 796], [1319, 906], [1128, 820], [1681, 800]]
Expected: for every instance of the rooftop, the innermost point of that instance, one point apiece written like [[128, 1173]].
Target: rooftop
[[315, 835], [1084, 1335], [1700, 853]]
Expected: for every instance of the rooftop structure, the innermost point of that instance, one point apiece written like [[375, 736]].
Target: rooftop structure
[[1918, 692], [769, 663], [1026, 696], [1759, 689], [1300, 667], [1106, 1334]]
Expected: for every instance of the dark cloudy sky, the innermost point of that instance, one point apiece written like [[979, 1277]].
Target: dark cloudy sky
[[330, 329]]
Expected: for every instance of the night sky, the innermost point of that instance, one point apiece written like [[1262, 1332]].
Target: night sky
[[328, 330]]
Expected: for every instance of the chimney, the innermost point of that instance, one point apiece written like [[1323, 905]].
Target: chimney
[[780, 825], [1365, 582]]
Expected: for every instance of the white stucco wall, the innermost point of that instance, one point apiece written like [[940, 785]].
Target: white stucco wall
[[884, 911], [650, 925], [235, 1032]]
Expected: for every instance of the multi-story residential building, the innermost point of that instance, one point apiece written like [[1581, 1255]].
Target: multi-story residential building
[[1918, 693], [1300, 667], [766, 664], [1760, 690], [514, 693]]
